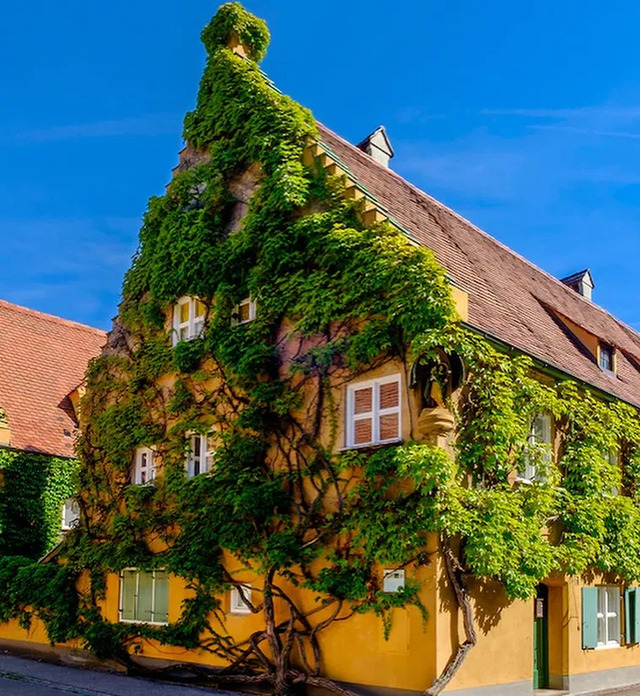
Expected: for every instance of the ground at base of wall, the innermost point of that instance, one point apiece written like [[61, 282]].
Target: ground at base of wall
[[21, 676]]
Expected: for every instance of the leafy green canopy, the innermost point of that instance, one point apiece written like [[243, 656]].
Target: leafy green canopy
[[336, 298]]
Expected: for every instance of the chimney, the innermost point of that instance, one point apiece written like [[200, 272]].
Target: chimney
[[581, 282], [377, 145]]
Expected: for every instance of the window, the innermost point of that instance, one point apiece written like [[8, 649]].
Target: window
[[393, 580], [70, 514], [144, 470], [188, 319], [144, 596], [237, 605], [200, 454], [613, 457], [607, 358], [243, 312], [608, 616], [539, 448], [373, 412]]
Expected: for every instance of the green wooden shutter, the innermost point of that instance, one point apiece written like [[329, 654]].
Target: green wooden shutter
[[630, 632], [635, 616], [589, 617]]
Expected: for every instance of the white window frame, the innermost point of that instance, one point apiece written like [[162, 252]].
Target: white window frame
[[153, 597], [137, 466], [607, 595], [66, 525], [235, 315], [530, 472], [236, 604], [194, 325], [374, 414], [393, 580], [205, 455]]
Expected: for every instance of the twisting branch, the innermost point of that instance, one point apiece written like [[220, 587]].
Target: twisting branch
[[456, 576]]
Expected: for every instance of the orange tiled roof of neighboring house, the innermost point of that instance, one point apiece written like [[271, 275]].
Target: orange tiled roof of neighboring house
[[509, 298], [42, 360]]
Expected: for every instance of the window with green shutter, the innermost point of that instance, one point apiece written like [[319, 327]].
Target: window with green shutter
[[601, 624]]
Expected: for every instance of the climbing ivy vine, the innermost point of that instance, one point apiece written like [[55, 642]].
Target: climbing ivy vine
[[33, 491], [336, 298]]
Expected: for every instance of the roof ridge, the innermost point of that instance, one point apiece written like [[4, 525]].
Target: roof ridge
[[446, 209], [51, 317]]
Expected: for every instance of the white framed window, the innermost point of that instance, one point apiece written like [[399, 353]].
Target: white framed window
[[608, 616], [144, 466], [373, 412], [200, 453], [237, 604], [244, 312], [144, 596], [70, 514], [539, 448], [613, 457], [188, 319], [392, 580]]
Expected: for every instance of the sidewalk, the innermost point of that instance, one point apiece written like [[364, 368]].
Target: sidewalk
[[25, 677]]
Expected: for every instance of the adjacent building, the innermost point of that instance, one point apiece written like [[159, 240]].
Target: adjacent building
[[42, 366]]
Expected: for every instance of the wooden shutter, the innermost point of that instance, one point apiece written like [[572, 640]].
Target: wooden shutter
[[389, 407], [589, 617], [629, 615], [363, 415]]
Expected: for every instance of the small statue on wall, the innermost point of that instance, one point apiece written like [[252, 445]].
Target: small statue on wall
[[435, 377]]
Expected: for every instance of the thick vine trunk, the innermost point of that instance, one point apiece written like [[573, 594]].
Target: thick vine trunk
[[457, 579]]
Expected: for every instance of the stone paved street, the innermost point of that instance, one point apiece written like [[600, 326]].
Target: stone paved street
[[22, 677]]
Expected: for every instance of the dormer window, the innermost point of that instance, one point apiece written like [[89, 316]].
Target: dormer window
[[607, 358], [188, 319], [244, 312]]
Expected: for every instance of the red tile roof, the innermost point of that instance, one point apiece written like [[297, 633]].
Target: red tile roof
[[42, 359], [509, 298]]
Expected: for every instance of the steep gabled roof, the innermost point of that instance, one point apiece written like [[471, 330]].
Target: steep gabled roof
[[42, 360], [509, 298]]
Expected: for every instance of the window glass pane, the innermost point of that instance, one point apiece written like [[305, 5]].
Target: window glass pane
[[363, 400], [70, 514], [362, 431], [200, 309], [184, 312], [613, 600], [541, 430], [128, 595], [161, 604], [389, 426], [244, 312], [389, 395], [196, 453], [145, 594]]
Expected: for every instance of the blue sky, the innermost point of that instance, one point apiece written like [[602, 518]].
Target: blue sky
[[524, 117]]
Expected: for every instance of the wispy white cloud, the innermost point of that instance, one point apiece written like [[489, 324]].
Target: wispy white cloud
[[588, 131], [148, 125]]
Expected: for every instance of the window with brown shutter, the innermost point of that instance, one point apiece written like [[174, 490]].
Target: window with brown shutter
[[373, 412]]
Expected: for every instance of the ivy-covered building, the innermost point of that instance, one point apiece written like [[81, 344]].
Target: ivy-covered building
[[340, 439], [42, 363]]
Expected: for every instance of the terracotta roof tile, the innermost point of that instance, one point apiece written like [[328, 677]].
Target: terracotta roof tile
[[42, 359], [509, 297]]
